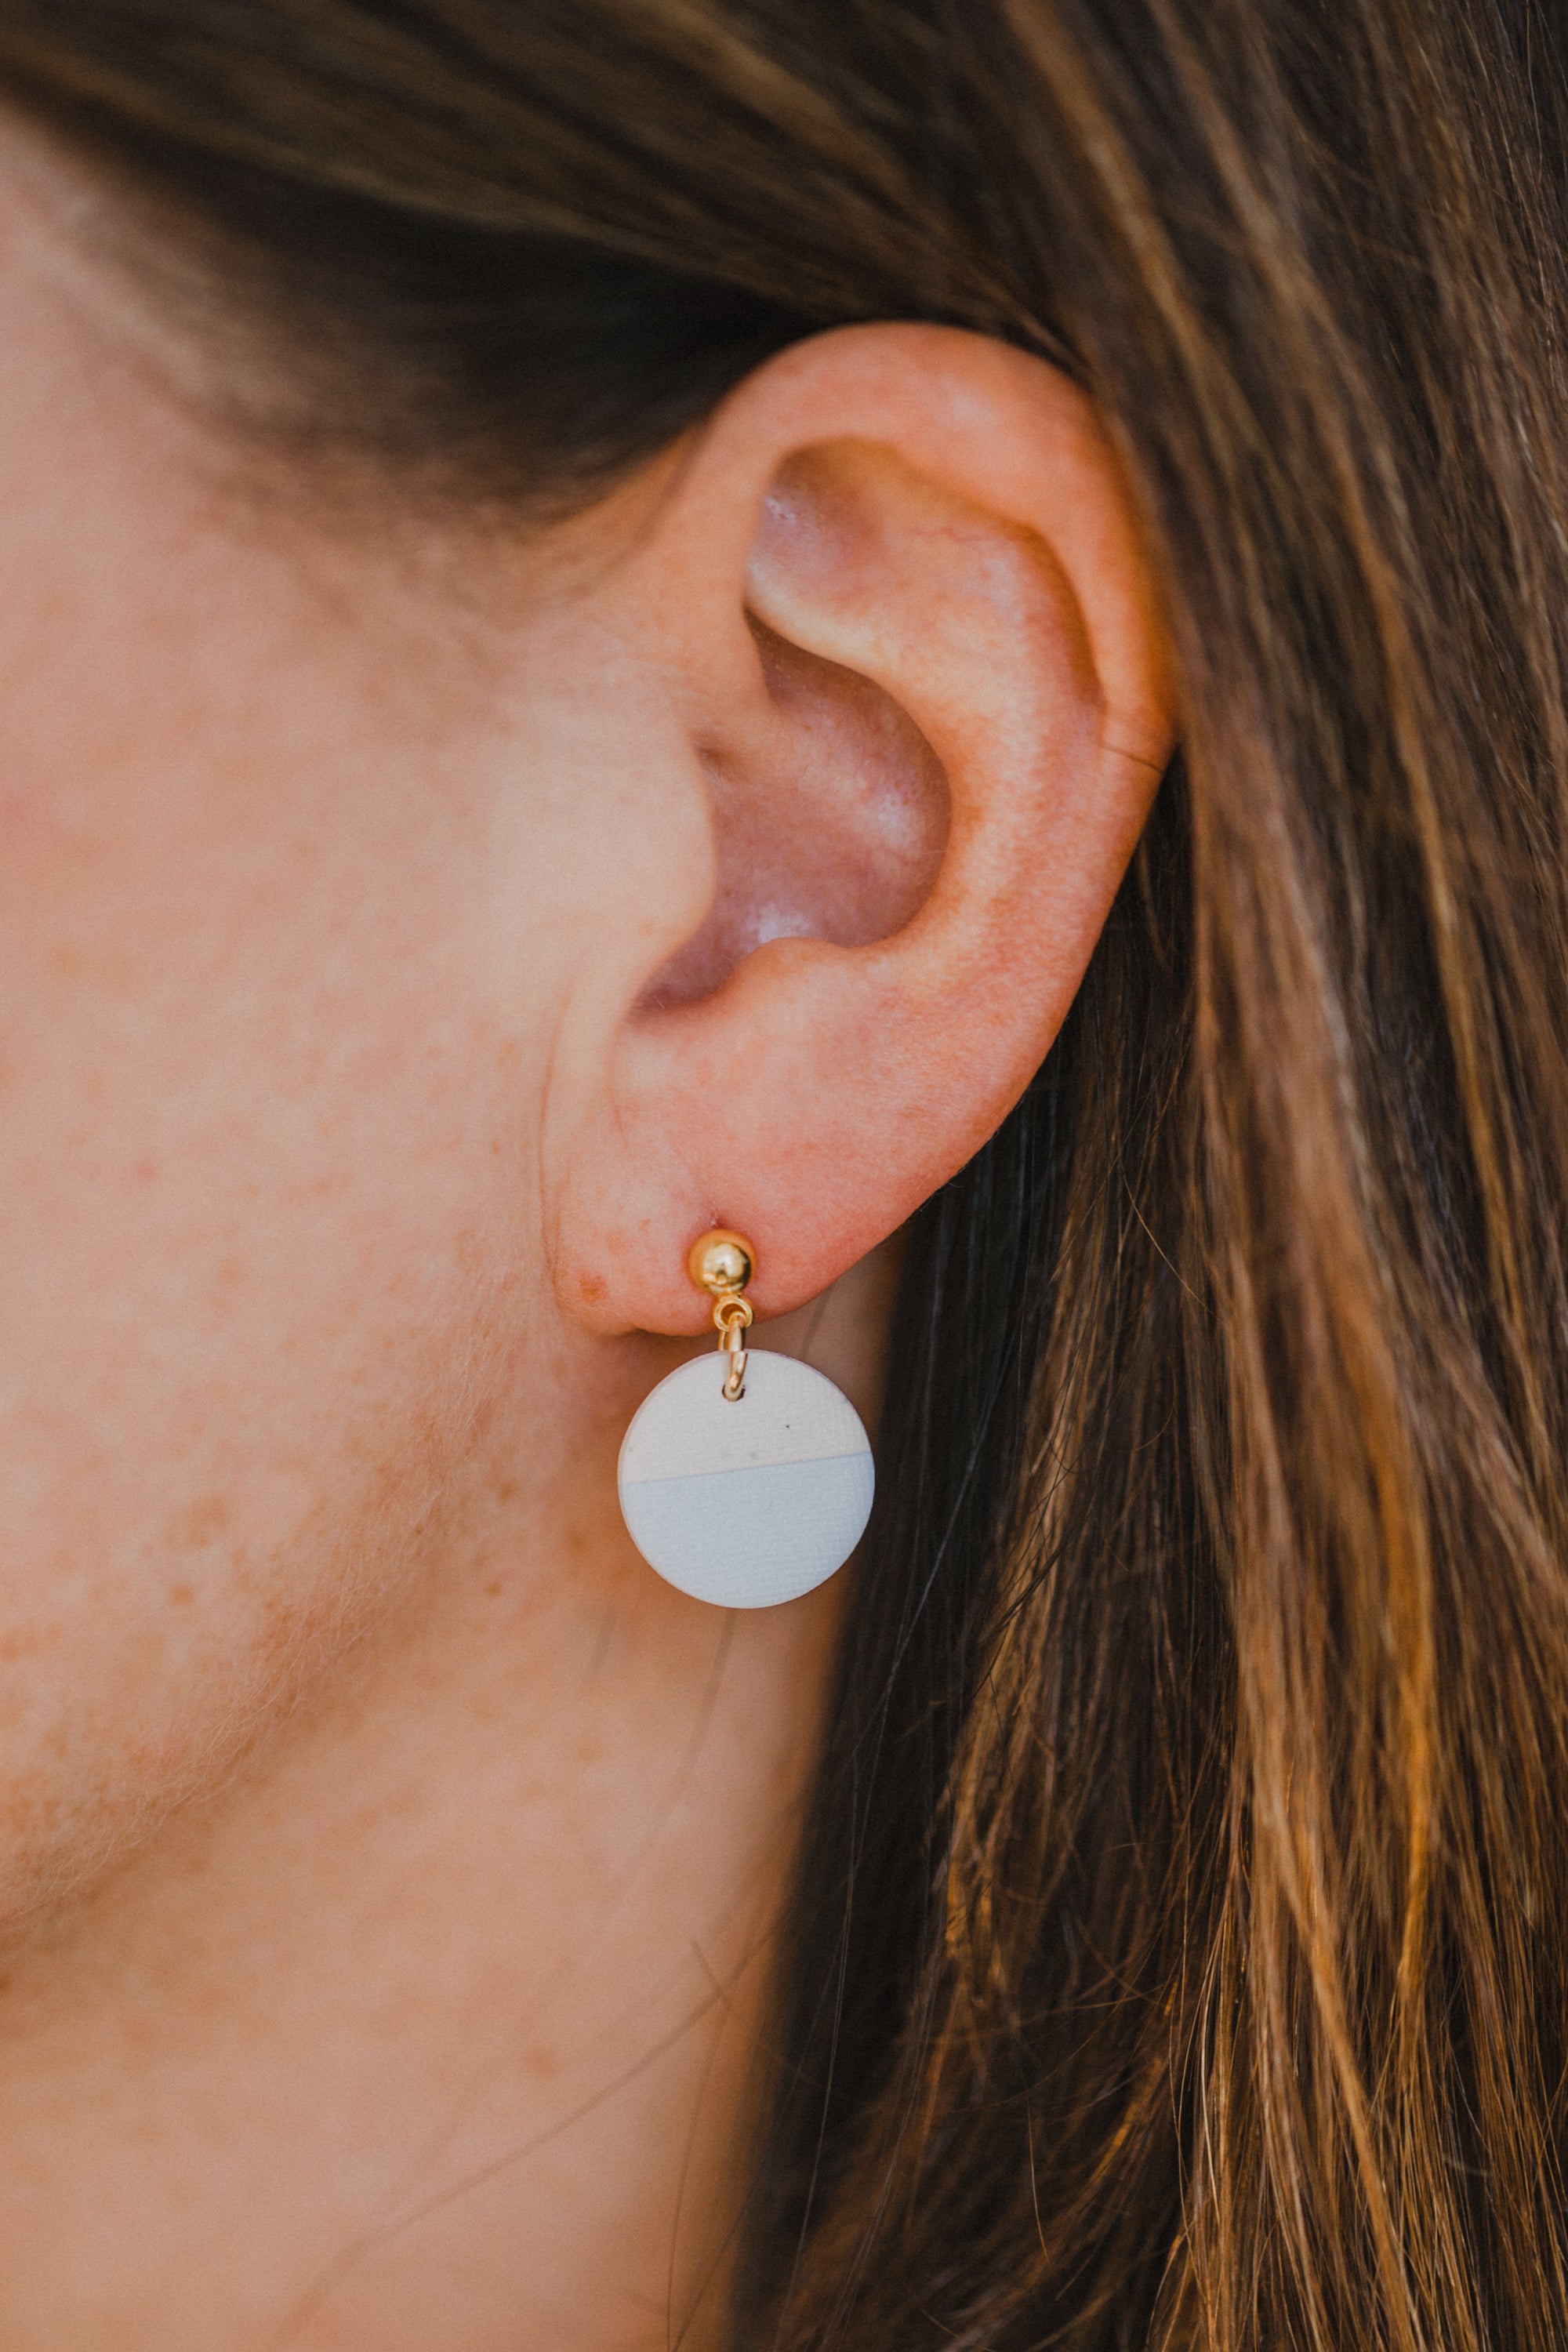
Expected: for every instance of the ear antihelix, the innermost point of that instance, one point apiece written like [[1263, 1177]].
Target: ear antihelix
[[752, 1487]]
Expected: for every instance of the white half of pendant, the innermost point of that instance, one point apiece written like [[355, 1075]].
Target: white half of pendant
[[751, 1502]]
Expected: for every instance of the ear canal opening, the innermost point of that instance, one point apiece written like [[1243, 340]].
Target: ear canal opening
[[831, 824]]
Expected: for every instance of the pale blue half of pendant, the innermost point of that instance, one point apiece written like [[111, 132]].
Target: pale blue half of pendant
[[753, 1503]]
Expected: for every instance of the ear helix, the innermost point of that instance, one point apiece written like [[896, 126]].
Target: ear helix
[[750, 1488]]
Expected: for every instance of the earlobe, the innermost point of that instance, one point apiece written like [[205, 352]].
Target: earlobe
[[929, 548]]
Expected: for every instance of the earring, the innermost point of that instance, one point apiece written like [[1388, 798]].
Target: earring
[[747, 1486]]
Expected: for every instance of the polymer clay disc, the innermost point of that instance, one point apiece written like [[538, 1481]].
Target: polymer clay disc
[[750, 1503]]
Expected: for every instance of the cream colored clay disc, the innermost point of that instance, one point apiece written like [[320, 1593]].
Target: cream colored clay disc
[[751, 1503]]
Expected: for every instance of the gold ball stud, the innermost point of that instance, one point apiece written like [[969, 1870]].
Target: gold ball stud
[[721, 1262]]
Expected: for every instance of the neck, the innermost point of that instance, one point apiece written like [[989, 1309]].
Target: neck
[[437, 2027]]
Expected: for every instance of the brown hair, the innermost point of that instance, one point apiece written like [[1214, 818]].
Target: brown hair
[[1181, 1956]]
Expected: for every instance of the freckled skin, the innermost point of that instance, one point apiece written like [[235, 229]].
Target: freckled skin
[[366, 1803], [389, 1862]]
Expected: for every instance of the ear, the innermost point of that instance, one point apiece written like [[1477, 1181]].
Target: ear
[[901, 604]]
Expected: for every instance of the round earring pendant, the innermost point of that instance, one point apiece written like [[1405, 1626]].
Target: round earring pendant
[[752, 1502]]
